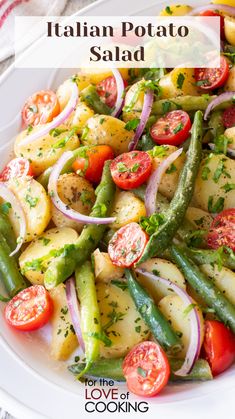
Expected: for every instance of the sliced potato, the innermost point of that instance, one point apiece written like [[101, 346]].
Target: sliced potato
[[46, 150], [127, 208], [125, 332], [78, 194], [98, 74], [200, 219], [104, 129], [52, 239], [105, 271], [80, 116], [138, 106], [173, 309], [164, 269], [230, 84], [224, 279], [176, 10], [64, 340], [169, 180], [64, 91], [35, 204], [178, 82], [230, 132], [229, 29], [210, 193]]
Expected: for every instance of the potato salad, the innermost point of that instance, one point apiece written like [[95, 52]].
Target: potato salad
[[117, 219]]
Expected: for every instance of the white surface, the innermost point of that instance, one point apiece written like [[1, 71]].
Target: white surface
[[30, 383]]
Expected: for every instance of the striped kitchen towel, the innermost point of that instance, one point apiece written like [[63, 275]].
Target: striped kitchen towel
[[11, 8]]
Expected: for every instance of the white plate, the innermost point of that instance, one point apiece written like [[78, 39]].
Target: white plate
[[31, 384]]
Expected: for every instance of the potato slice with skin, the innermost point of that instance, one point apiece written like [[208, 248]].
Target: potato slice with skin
[[78, 194], [224, 279], [216, 171], [169, 180], [138, 106], [230, 84], [178, 82], [230, 132], [52, 239], [128, 330], [35, 204], [127, 208], [229, 29], [105, 271], [64, 340], [80, 117], [200, 219], [105, 129], [173, 309], [164, 269], [46, 150], [176, 10]]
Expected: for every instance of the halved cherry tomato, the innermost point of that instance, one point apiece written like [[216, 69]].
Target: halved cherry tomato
[[218, 346], [229, 117], [208, 13], [172, 129], [30, 309], [212, 78], [130, 170], [146, 369], [127, 245], [16, 168], [222, 230], [91, 166], [107, 89], [40, 108]]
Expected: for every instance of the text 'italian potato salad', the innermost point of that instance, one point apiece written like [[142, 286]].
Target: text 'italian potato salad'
[[117, 219]]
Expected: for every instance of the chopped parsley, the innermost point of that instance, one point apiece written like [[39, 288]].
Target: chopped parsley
[[135, 168], [180, 80], [5, 207], [32, 201], [205, 173], [132, 124], [151, 224], [122, 168], [179, 127], [171, 169], [168, 10], [44, 240], [215, 207], [228, 187], [166, 106]]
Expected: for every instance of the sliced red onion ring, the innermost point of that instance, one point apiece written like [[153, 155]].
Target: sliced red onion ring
[[60, 205], [120, 89], [9, 196], [230, 151], [195, 338], [146, 111], [154, 182], [74, 310], [224, 97], [223, 7], [58, 120]]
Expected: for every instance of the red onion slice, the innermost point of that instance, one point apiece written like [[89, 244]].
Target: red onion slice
[[194, 345], [120, 89], [223, 7], [154, 182], [146, 111], [60, 205], [58, 120], [230, 151], [9, 196], [224, 97], [74, 310]]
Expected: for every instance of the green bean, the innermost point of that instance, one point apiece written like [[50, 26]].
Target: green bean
[[7, 231], [90, 315], [212, 296], [219, 256], [174, 217], [44, 177], [152, 316], [90, 96], [216, 124], [187, 103], [112, 369], [64, 265], [11, 277]]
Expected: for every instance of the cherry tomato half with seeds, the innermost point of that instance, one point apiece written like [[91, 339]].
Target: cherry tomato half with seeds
[[107, 89], [222, 230], [130, 170], [171, 129], [211, 13], [228, 117], [30, 309], [212, 78], [40, 108], [16, 168], [127, 245], [91, 166], [218, 346], [146, 369]]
